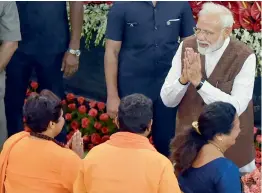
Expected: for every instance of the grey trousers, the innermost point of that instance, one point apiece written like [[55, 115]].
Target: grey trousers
[[3, 128]]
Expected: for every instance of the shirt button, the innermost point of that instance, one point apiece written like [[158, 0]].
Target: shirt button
[[156, 45], [155, 27]]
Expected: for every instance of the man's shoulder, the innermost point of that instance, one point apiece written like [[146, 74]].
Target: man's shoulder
[[240, 46]]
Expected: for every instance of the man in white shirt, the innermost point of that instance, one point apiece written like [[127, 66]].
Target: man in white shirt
[[223, 71]]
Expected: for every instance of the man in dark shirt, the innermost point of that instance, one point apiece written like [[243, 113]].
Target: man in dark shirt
[[9, 37], [142, 38], [47, 48]]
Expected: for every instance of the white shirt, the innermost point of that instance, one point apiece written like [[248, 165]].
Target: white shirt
[[172, 91]]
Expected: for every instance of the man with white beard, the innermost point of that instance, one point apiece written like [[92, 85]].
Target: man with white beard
[[209, 67]]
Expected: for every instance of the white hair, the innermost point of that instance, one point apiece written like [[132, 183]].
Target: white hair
[[226, 16]]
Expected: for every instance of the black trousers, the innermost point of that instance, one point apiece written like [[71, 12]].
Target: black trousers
[[164, 124], [18, 73]]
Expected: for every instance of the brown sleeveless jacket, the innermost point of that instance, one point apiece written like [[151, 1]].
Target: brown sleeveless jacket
[[222, 77]]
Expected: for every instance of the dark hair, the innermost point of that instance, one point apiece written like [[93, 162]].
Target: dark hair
[[216, 118], [40, 109], [135, 112]]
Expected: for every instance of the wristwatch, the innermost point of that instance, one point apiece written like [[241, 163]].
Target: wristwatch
[[199, 86], [74, 52]]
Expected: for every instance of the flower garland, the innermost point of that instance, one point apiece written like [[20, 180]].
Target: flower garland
[[95, 21], [247, 26]]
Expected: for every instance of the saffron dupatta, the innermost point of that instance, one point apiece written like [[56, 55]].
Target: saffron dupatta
[[8, 146]]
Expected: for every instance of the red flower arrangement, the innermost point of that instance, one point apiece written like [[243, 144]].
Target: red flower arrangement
[[257, 139], [90, 118], [87, 116], [98, 2], [252, 182], [246, 14]]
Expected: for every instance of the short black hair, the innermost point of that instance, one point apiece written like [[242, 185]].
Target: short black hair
[[40, 109], [135, 113]]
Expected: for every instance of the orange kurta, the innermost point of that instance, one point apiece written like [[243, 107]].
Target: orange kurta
[[127, 163], [37, 166]]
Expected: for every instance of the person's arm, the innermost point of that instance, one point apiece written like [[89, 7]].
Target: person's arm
[[79, 184], [168, 182], [111, 66], [70, 168], [187, 22], [76, 20], [229, 182], [114, 37], [242, 90], [9, 33], [172, 90], [70, 62]]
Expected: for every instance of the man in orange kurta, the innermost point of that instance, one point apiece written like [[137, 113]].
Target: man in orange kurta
[[128, 163]]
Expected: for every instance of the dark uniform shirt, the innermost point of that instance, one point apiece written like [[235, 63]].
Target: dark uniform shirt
[[44, 26], [149, 38]]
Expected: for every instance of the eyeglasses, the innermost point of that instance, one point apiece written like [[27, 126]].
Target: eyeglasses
[[205, 32]]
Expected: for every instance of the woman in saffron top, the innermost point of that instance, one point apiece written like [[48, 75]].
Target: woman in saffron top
[[128, 163], [199, 152], [34, 162]]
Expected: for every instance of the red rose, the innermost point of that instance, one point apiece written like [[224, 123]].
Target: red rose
[[28, 92], [109, 2], [75, 125], [86, 138], [104, 130], [82, 109], [258, 138], [27, 129], [90, 146], [258, 166], [101, 106], [70, 96], [255, 130], [105, 138], [92, 112], [151, 140], [85, 122], [81, 100], [68, 116], [258, 160], [95, 138], [72, 106], [104, 117], [63, 102], [258, 154], [97, 125], [92, 104], [34, 85]]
